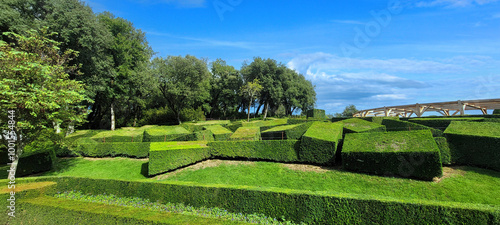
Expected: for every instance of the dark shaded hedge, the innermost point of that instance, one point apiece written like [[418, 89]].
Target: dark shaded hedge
[[319, 143], [442, 123], [316, 114], [31, 163], [444, 149], [406, 153], [294, 205], [292, 133]]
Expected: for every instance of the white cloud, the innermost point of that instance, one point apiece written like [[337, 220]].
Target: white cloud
[[453, 3], [205, 42], [389, 97]]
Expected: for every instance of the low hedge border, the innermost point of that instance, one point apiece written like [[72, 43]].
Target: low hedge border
[[164, 157], [319, 143], [444, 150], [246, 134], [476, 144], [276, 150], [397, 125], [165, 133], [442, 123], [294, 131], [31, 163], [220, 133], [405, 153], [295, 205], [113, 149], [356, 125]]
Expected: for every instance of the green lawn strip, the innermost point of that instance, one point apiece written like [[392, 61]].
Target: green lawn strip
[[246, 133], [319, 143], [212, 122], [124, 134], [108, 168], [50, 209], [296, 205], [403, 153], [356, 125], [265, 123], [442, 123], [473, 143], [164, 133]]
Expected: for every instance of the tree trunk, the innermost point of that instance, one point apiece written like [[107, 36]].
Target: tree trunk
[[71, 128], [249, 104], [265, 110], [112, 116], [57, 126], [179, 117], [258, 110], [135, 120]]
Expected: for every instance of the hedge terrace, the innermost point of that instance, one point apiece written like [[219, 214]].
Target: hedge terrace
[[474, 143], [265, 124], [319, 143], [164, 133], [294, 131], [166, 156], [91, 148], [404, 153], [397, 125], [442, 123], [355, 125], [220, 133], [277, 150], [246, 133], [124, 134]]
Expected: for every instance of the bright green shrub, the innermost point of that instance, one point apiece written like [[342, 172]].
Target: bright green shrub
[[292, 121], [265, 124], [442, 123], [294, 131], [319, 143], [476, 144], [164, 133], [444, 149], [397, 125], [404, 153], [234, 126], [166, 156], [204, 135], [295, 205], [220, 133], [379, 119], [124, 134], [316, 114], [278, 150], [192, 127], [356, 125], [246, 134], [113, 149]]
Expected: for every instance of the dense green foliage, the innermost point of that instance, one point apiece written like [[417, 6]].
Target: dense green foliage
[[164, 133], [349, 111], [113, 149], [356, 125], [405, 153], [246, 133], [164, 157], [398, 125], [294, 205], [31, 163], [220, 133], [319, 143], [444, 150], [277, 150], [474, 143], [496, 112], [316, 114], [442, 123], [294, 131]]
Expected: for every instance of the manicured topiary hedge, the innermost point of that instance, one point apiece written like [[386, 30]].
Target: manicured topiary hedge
[[295, 205], [379, 119], [404, 153], [233, 126], [442, 123], [165, 133], [319, 143], [113, 149], [246, 134], [356, 125], [166, 156], [294, 131], [277, 150], [397, 125], [444, 149], [220, 133], [316, 114], [31, 163], [476, 144]]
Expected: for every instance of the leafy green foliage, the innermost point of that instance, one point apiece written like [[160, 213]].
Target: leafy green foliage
[[246, 133], [225, 83], [496, 112], [316, 114], [319, 143], [278, 150], [251, 90], [349, 111], [473, 143], [405, 153], [355, 125]]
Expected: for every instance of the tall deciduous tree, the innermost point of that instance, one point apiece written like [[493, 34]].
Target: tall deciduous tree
[[35, 85], [349, 111], [183, 82], [225, 84], [251, 90]]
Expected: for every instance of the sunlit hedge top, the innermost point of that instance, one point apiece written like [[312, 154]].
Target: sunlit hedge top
[[488, 129], [164, 146]]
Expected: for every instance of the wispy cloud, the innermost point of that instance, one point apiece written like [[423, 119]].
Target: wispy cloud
[[178, 3], [453, 3], [211, 42]]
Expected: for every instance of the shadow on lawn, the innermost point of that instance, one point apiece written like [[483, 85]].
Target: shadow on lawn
[[61, 165]]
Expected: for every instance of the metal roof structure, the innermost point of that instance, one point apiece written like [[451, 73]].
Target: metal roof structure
[[444, 108]]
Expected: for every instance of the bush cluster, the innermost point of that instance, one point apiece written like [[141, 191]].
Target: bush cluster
[[220, 133], [246, 134]]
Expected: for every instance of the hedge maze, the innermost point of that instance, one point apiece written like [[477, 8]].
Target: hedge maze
[[414, 149]]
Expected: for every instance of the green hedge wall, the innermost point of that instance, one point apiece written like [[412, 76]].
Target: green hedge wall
[[126, 134], [476, 144], [294, 205], [356, 125], [442, 123], [397, 125], [319, 144], [316, 114], [246, 134], [125, 149], [405, 153], [220, 133], [379, 119], [31, 163], [294, 131], [233, 126], [165, 133], [277, 150], [444, 149], [165, 158]]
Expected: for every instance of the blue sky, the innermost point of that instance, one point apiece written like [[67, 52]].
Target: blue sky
[[367, 53]]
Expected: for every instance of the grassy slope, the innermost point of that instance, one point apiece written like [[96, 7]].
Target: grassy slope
[[167, 130], [282, 128], [488, 129], [218, 129]]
